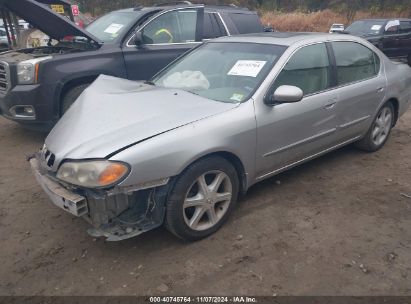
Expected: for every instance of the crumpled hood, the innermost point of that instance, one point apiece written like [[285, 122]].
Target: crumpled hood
[[114, 113], [44, 19]]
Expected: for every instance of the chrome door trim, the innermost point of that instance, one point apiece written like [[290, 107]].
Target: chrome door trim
[[224, 24]]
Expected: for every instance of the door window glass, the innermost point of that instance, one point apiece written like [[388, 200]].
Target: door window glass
[[172, 27], [355, 62], [211, 28], [405, 27], [308, 69], [392, 27], [246, 23]]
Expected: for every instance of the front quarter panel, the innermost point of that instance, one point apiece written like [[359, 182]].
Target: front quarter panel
[[168, 154]]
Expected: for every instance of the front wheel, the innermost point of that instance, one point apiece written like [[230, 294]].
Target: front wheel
[[71, 96], [380, 130], [203, 197]]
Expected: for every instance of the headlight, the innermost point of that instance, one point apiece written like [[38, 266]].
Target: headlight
[[93, 174], [27, 71]]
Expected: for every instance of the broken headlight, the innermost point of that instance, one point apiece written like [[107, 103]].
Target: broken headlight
[[93, 173], [28, 70]]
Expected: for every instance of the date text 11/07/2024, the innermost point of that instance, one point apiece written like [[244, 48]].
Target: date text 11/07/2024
[[203, 299]]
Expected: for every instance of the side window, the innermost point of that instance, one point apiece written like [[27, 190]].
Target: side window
[[172, 27], [211, 26], [247, 23], [392, 27], [308, 69], [355, 62], [405, 27]]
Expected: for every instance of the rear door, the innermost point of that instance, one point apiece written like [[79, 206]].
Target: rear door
[[390, 40], [405, 38], [360, 86], [166, 36]]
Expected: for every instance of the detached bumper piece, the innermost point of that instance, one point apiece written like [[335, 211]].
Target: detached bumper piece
[[60, 196], [115, 216]]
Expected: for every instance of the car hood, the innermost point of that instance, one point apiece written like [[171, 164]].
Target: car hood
[[114, 113], [44, 19]]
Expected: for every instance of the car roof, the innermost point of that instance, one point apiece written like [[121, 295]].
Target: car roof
[[384, 19], [219, 8], [285, 38]]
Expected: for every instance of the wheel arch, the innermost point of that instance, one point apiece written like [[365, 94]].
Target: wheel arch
[[232, 159], [71, 83], [395, 103]]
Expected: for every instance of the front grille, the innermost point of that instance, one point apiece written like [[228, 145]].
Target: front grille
[[47, 157], [4, 76]]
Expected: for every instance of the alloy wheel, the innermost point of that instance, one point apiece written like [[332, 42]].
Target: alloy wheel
[[382, 126], [207, 200]]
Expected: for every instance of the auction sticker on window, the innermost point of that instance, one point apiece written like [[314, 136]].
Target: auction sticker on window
[[249, 68], [113, 28]]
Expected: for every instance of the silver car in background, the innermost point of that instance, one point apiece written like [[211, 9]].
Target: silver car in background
[[178, 150]]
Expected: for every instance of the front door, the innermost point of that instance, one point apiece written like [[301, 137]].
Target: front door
[[165, 37], [289, 132]]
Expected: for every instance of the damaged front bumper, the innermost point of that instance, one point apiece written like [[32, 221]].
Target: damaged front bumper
[[117, 215]]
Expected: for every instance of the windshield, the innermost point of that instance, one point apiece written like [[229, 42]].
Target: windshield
[[108, 27], [366, 27], [228, 72]]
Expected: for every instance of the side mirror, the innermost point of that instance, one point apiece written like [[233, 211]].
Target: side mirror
[[285, 94], [138, 39]]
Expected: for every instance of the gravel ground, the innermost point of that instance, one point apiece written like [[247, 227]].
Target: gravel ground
[[339, 225]]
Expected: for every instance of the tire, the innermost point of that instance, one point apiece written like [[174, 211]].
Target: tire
[[71, 96], [192, 215], [379, 131]]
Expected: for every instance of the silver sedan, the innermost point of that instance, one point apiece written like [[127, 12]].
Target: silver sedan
[[179, 149]]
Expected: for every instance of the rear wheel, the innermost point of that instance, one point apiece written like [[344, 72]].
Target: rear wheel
[[202, 199], [71, 96], [379, 131]]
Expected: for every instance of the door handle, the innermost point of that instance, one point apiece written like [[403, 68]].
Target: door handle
[[331, 103], [379, 90]]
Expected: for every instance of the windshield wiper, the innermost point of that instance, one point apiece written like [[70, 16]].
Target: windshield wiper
[[149, 82]]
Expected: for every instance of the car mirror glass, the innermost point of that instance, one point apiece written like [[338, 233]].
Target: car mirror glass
[[286, 94]]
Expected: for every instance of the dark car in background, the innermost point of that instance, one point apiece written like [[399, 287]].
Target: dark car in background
[[392, 36], [38, 85]]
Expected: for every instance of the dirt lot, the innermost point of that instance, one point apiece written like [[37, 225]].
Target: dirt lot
[[335, 226]]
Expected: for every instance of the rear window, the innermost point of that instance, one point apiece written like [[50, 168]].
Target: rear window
[[246, 23]]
